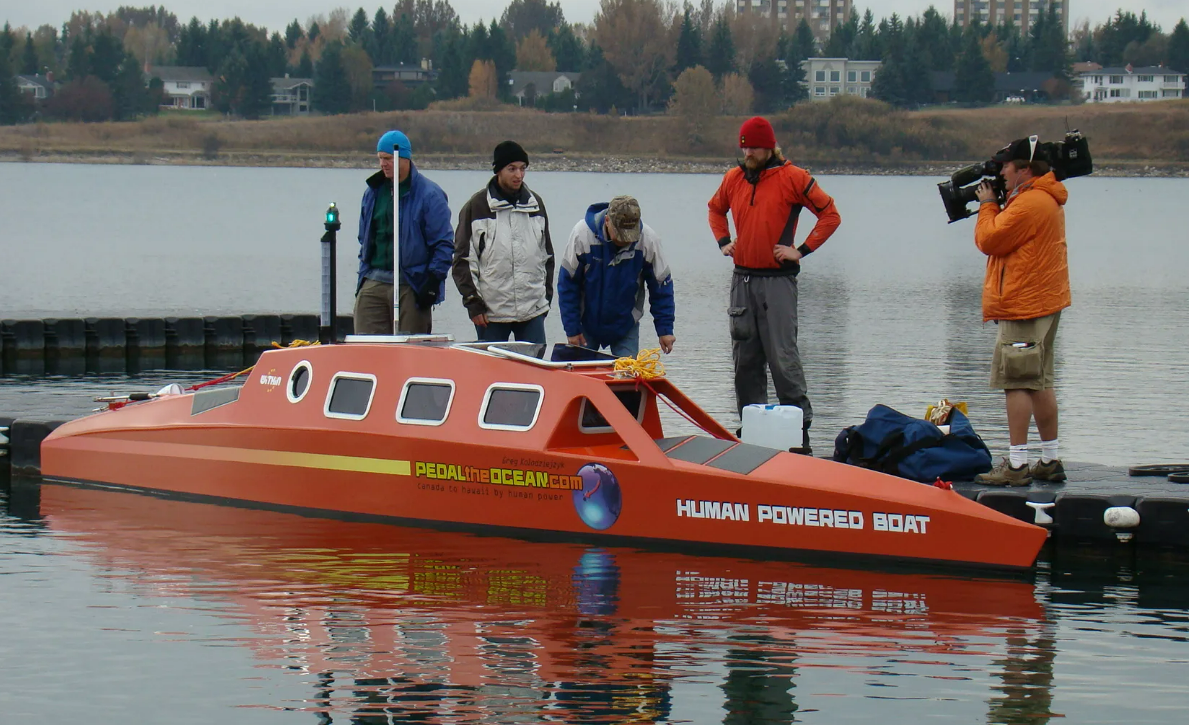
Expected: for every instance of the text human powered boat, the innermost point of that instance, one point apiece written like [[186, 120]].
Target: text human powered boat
[[505, 438]]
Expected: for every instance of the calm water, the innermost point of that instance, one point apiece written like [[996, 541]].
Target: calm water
[[148, 611], [157, 611]]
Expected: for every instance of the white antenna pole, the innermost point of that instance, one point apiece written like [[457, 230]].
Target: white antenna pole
[[396, 240]]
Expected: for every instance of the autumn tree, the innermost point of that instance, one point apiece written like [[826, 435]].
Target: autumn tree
[[633, 38], [533, 54], [482, 81], [736, 94], [694, 101]]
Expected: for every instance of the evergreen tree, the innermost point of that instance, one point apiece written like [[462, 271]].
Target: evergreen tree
[[357, 29], [315, 31], [567, 49], [799, 48], [191, 46], [933, 41], [277, 60], [767, 80], [29, 65], [842, 38], [13, 104], [129, 96], [888, 84], [974, 82], [720, 55], [217, 46], [78, 63], [305, 66], [332, 91], [257, 92], [1049, 50], [106, 55], [503, 53], [293, 33], [7, 40], [689, 44], [402, 44], [453, 63], [600, 87], [1178, 48], [380, 36], [865, 47]]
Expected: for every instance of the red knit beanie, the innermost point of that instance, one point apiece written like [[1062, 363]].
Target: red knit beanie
[[756, 133]]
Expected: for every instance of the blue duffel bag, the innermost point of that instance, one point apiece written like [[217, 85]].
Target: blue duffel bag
[[892, 442]]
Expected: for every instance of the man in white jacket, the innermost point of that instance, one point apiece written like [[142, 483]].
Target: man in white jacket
[[503, 256]]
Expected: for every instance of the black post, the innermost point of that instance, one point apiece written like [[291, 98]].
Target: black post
[[326, 328]]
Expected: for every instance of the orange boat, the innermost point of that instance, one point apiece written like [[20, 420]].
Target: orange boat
[[506, 438]]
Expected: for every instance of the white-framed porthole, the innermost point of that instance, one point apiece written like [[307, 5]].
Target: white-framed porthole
[[590, 420], [301, 379], [425, 401], [350, 396], [511, 406]]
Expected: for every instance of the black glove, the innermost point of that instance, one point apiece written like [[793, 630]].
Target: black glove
[[427, 296]]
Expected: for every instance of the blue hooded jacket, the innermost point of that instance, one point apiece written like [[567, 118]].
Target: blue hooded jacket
[[426, 236], [600, 287]]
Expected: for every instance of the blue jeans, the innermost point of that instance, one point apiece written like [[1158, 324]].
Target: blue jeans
[[626, 346], [528, 331]]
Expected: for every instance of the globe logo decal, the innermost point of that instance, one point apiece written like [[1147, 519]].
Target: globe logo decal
[[599, 502]]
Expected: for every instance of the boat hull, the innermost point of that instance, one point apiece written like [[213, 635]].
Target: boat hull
[[262, 451]]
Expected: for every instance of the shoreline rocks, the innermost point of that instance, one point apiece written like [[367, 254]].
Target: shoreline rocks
[[546, 162]]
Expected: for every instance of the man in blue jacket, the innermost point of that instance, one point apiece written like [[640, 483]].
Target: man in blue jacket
[[610, 259], [426, 244]]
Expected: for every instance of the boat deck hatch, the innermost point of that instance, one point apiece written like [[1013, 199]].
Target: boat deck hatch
[[724, 455], [205, 400]]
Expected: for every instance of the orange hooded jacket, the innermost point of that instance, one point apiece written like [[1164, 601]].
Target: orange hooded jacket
[[1027, 271], [766, 214]]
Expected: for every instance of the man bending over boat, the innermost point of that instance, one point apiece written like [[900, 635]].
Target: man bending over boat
[[426, 244], [765, 195], [503, 261], [1025, 289], [612, 256]]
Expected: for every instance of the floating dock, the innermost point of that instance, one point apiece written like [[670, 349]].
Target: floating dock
[[109, 344], [1074, 512]]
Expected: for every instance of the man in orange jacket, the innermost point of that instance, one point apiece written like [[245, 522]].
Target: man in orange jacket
[[765, 195], [1025, 289]]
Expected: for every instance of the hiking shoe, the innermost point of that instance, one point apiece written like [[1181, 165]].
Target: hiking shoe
[[1051, 472], [1005, 475]]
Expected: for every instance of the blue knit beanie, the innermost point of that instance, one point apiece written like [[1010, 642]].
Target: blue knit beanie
[[395, 139]]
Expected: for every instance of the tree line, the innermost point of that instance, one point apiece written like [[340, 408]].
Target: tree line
[[636, 56]]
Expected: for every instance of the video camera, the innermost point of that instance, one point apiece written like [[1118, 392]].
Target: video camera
[[1067, 159]]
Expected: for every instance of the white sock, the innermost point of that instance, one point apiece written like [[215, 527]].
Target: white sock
[[1048, 451], [1018, 455]]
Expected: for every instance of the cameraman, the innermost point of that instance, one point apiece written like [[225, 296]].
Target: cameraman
[[1025, 289]]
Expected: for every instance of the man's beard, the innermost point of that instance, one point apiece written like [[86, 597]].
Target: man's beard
[[753, 164]]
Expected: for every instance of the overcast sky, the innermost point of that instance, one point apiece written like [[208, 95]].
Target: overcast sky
[[276, 16]]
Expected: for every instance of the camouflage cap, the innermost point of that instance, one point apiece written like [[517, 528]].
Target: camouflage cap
[[624, 215]]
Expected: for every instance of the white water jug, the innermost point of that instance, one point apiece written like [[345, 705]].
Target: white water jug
[[774, 426]]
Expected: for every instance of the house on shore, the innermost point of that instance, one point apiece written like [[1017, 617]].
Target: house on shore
[[829, 77], [40, 87], [1128, 85], [291, 96], [527, 85], [185, 87]]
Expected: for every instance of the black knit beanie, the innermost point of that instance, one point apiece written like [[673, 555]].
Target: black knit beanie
[[507, 152]]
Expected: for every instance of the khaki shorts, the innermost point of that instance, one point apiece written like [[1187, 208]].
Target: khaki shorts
[[1024, 351]]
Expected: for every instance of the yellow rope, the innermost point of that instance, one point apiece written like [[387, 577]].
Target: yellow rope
[[295, 343], [647, 365]]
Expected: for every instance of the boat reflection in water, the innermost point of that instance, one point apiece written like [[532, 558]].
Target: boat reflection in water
[[391, 623]]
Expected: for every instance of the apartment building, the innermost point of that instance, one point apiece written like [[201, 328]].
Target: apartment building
[[822, 15], [1021, 13]]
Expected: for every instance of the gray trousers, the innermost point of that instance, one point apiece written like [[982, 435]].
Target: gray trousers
[[763, 322], [373, 310]]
